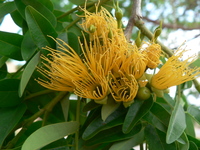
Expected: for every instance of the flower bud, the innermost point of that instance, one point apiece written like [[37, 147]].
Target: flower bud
[[92, 29]]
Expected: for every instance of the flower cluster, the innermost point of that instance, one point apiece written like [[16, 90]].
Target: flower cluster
[[109, 64]]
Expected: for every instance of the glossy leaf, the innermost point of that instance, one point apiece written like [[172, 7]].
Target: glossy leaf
[[194, 113], [190, 125], [48, 134], [90, 106], [156, 139], [177, 123], [196, 141], [6, 8], [10, 45], [161, 113], [109, 108], [17, 18], [73, 42], [9, 119], [130, 143], [154, 121], [28, 46], [3, 71], [97, 125], [113, 134], [9, 92], [28, 72], [193, 146], [39, 28], [184, 144], [76, 2], [40, 6], [136, 111]]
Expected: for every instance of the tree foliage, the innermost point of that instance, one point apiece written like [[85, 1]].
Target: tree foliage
[[33, 117]]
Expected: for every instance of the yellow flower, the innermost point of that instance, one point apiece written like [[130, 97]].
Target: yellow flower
[[99, 22], [59, 66], [134, 63], [153, 53], [175, 72], [123, 88]]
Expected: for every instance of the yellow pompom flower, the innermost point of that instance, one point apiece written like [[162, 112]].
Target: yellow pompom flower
[[175, 72], [123, 88], [99, 22], [153, 53]]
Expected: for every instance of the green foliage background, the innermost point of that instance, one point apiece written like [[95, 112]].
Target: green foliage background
[[44, 117]]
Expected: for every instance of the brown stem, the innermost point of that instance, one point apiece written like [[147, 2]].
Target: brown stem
[[135, 15]]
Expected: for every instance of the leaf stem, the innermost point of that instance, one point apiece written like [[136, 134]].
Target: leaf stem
[[74, 9], [78, 120], [26, 123], [38, 94]]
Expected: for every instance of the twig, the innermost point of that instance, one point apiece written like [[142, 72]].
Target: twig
[[135, 15], [26, 123]]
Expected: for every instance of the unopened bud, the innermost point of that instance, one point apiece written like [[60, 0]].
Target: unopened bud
[[92, 29]]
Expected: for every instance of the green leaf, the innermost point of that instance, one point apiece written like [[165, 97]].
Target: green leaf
[[190, 125], [10, 45], [184, 145], [3, 71], [48, 134], [193, 146], [76, 2], [73, 42], [3, 60], [9, 93], [9, 119], [113, 134], [177, 123], [196, 63], [28, 47], [38, 6], [196, 141], [39, 28], [130, 143], [90, 106], [97, 125], [6, 8], [194, 113], [161, 113], [154, 121], [156, 139], [109, 108], [17, 18], [136, 111], [28, 71]]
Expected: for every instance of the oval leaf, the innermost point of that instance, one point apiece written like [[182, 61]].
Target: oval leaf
[[97, 125], [39, 28], [177, 123], [28, 71], [194, 113], [9, 93], [9, 118], [40, 6], [10, 45], [28, 46], [156, 139], [6, 8], [136, 111], [108, 108], [48, 134]]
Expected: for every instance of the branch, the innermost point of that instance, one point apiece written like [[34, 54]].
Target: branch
[[135, 15], [171, 26]]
